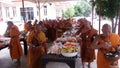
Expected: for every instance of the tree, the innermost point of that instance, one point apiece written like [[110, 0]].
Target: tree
[[68, 13], [82, 8], [119, 20], [109, 9], [78, 10]]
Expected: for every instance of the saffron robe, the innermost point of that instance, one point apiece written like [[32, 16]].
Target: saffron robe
[[15, 46], [26, 27], [102, 62], [88, 54], [35, 53]]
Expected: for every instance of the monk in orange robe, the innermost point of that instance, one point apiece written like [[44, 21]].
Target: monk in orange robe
[[27, 26], [87, 34], [14, 46], [37, 47], [100, 44]]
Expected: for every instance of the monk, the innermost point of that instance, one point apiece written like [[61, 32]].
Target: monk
[[14, 46], [100, 44], [37, 47], [87, 34], [35, 22], [27, 26]]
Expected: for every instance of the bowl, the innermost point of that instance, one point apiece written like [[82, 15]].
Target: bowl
[[112, 56], [69, 54]]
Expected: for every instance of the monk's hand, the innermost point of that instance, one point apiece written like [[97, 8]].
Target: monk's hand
[[107, 45], [97, 38], [118, 48], [9, 46], [29, 44]]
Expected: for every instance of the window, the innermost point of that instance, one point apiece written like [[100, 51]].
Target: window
[[0, 12], [45, 10], [58, 12], [27, 13], [7, 12], [14, 11]]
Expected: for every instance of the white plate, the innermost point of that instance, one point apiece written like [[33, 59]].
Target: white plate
[[70, 54]]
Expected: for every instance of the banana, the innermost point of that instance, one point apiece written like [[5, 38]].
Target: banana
[[69, 49]]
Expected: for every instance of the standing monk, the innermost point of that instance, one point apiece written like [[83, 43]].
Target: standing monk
[[112, 40], [14, 46], [27, 26], [87, 34], [37, 47]]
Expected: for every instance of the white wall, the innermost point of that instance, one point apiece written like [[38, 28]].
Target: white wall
[[51, 10]]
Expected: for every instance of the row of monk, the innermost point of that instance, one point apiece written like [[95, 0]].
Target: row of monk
[[51, 28], [36, 35], [39, 33]]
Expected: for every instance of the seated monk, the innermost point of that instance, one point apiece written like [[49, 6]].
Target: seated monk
[[37, 47]]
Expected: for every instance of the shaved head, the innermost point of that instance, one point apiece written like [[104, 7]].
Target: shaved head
[[106, 29], [107, 26]]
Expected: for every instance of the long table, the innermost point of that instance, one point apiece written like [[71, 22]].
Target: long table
[[58, 58], [3, 46]]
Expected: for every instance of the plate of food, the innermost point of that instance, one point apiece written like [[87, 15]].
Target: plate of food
[[69, 51], [5, 40], [69, 54]]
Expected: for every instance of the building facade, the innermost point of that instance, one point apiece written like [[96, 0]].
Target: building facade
[[13, 10]]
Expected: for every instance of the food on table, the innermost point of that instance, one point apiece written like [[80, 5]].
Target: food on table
[[71, 39], [69, 49], [70, 44], [54, 49]]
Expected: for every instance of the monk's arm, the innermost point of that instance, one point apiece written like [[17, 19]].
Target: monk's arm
[[96, 45]]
